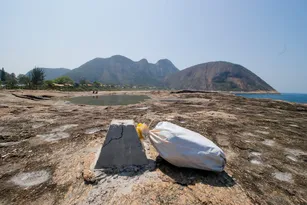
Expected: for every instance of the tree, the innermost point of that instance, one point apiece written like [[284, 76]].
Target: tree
[[83, 81], [96, 84], [3, 75], [63, 80], [37, 76], [49, 83], [23, 80], [11, 81], [76, 85]]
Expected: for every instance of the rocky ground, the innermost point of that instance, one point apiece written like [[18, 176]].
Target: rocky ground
[[47, 147]]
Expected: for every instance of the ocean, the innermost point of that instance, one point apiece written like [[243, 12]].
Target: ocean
[[290, 97]]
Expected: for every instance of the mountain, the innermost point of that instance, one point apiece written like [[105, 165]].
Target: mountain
[[221, 76], [52, 73], [122, 70]]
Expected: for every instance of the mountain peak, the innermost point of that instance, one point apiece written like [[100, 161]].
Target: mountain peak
[[143, 60], [120, 58], [164, 61]]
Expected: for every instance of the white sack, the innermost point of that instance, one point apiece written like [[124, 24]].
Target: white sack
[[185, 148]]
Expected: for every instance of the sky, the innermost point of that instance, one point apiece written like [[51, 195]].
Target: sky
[[267, 37]]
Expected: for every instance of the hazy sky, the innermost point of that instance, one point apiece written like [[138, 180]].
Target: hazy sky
[[267, 37]]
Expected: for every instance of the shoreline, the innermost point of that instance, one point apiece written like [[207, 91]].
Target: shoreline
[[222, 91], [244, 95], [256, 92]]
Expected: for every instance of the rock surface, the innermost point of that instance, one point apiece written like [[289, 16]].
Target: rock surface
[[257, 171]]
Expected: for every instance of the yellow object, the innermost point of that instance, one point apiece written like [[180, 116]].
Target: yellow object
[[142, 130]]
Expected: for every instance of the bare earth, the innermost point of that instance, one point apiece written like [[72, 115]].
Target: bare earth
[[47, 148]]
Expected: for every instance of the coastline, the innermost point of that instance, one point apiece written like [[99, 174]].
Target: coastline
[[281, 97], [256, 92], [223, 91]]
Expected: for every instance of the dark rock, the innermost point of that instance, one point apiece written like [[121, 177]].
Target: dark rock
[[122, 147]]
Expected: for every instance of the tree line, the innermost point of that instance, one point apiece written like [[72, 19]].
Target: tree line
[[36, 80]]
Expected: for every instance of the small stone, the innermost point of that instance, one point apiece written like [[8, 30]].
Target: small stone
[[88, 175]]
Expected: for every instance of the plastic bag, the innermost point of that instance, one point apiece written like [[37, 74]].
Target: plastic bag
[[185, 148]]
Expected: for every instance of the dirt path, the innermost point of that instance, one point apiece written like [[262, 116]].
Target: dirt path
[[45, 146]]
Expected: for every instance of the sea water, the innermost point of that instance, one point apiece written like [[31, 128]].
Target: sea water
[[290, 97]]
